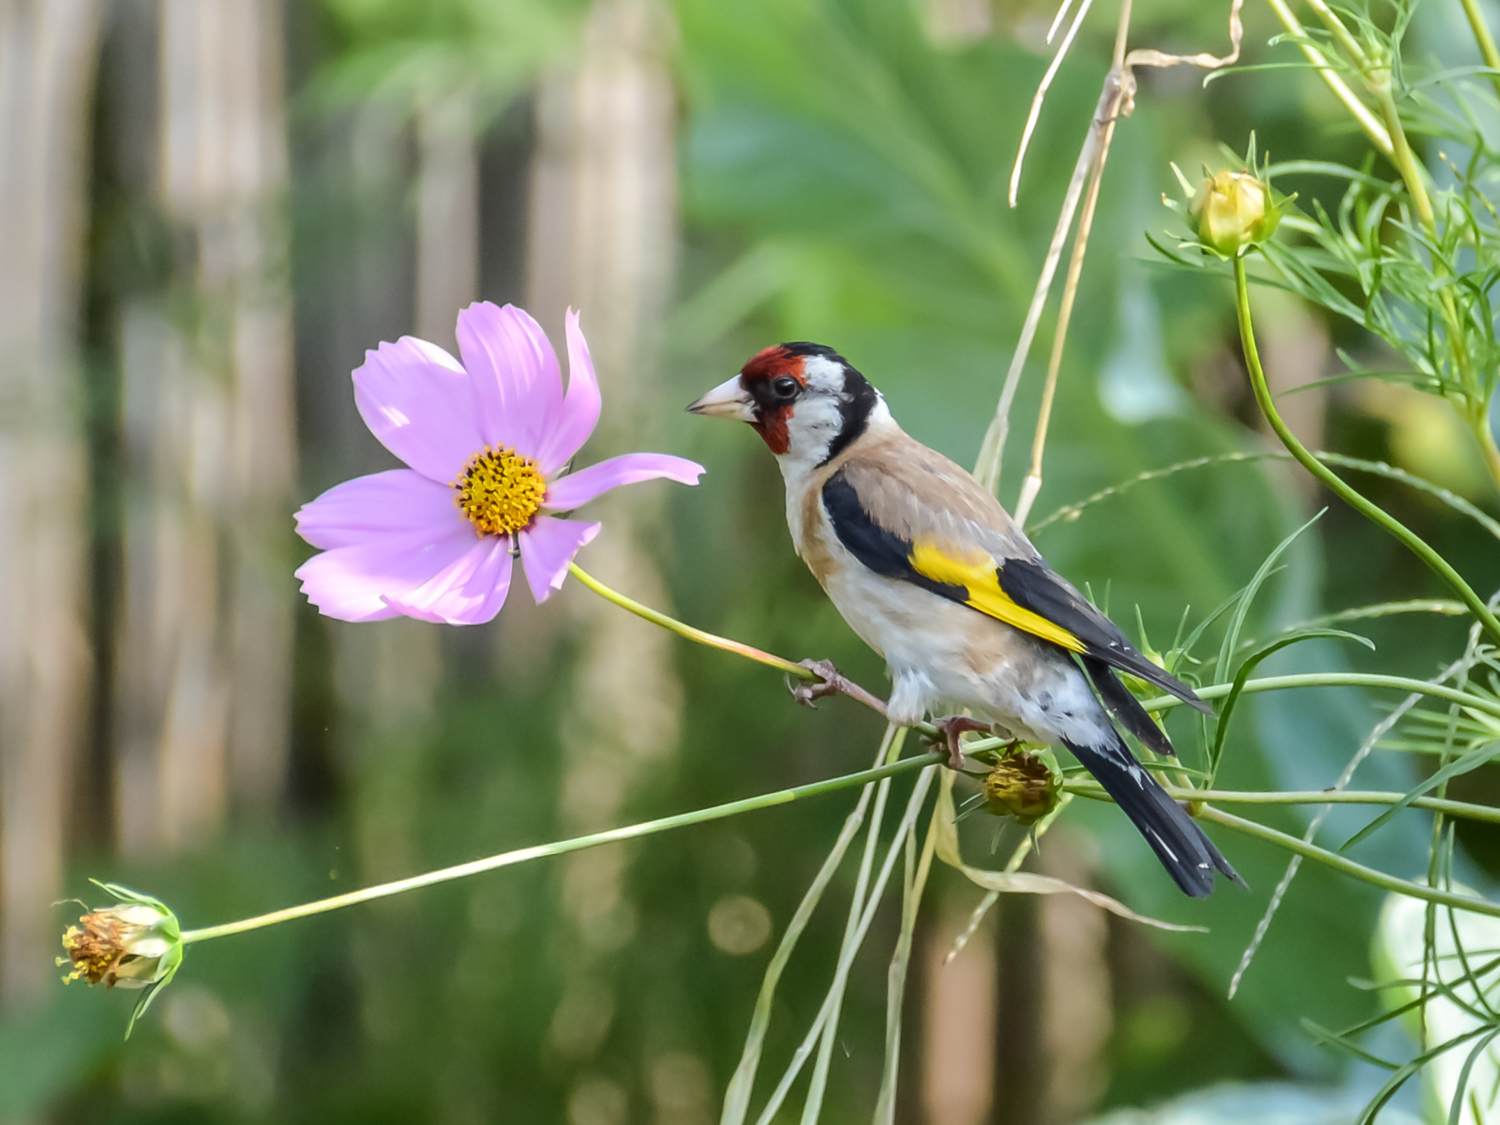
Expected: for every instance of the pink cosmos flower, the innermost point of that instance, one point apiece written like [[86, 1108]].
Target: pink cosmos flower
[[488, 443]]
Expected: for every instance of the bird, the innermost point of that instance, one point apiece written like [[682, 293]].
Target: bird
[[928, 568]]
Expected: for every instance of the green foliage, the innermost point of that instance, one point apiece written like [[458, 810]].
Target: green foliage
[[397, 51]]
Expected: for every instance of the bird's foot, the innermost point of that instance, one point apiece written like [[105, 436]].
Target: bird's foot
[[830, 682], [950, 727]]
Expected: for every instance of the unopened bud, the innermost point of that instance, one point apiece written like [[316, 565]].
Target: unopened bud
[[1022, 785], [1233, 210]]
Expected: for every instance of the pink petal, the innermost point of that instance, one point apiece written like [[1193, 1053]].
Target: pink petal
[[577, 489], [547, 547], [416, 399], [399, 503], [353, 583], [468, 592], [516, 385], [580, 410]]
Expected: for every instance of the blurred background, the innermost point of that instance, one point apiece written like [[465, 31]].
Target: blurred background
[[209, 209]]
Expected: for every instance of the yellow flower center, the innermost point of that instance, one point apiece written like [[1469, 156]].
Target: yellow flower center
[[499, 490]]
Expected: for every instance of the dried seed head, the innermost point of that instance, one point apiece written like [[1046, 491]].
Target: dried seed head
[[130, 944], [1022, 785]]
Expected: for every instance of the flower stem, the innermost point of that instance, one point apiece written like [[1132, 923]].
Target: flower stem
[[562, 847], [1483, 37], [1334, 679], [646, 613], [1094, 791], [1361, 112], [1404, 159], [1370, 511], [1348, 866], [1415, 177], [1340, 32]]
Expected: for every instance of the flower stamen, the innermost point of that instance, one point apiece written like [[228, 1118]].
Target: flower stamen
[[499, 490]]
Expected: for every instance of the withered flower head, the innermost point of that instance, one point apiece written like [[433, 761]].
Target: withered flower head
[[122, 945], [1022, 785], [136, 943]]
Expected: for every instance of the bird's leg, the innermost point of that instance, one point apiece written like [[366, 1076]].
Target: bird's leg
[[831, 682], [951, 726]]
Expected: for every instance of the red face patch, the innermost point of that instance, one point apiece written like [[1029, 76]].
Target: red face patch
[[772, 362], [757, 377]]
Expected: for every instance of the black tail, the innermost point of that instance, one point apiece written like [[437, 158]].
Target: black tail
[[1188, 855], [1126, 707]]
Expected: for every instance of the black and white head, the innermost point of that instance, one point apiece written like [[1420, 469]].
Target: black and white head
[[805, 400]]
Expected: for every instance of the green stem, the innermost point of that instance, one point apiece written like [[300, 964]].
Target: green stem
[[1094, 791], [1485, 40], [1348, 866], [1360, 112], [562, 847], [1370, 511], [1415, 177], [1340, 32], [1334, 679], [837, 684], [712, 640], [1404, 159]]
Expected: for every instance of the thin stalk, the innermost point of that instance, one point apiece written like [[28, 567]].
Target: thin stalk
[[1403, 157], [1094, 791], [1415, 178], [1322, 679], [992, 450], [737, 1097], [1348, 866], [854, 935], [1298, 680], [562, 847], [1268, 407], [911, 900], [698, 636], [1031, 485], [844, 686], [1485, 40], [1340, 32], [1335, 82], [799, 1058]]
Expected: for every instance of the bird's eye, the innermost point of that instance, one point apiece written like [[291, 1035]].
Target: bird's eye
[[785, 387]]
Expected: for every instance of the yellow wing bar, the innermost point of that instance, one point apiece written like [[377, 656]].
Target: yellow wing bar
[[982, 581]]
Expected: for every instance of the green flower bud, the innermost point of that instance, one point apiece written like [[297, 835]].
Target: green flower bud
[[1022, 785], [1233, 210]]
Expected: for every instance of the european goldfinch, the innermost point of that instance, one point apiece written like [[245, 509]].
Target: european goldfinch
[[933, 574]]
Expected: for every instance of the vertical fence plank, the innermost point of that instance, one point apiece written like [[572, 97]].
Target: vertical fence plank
[[603, 236], [205, 640], [47, 55]]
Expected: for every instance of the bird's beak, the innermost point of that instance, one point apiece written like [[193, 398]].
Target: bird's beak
[[727, 400]]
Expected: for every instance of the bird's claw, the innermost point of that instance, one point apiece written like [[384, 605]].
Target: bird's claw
[[950, 727], [830, 682]]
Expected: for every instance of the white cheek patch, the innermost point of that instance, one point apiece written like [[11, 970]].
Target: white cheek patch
[[822, 374], [815, 421]]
